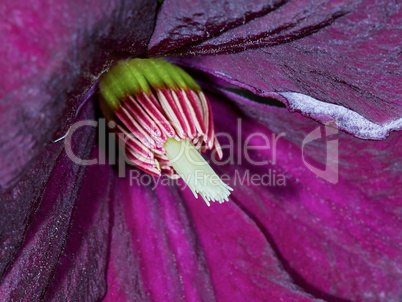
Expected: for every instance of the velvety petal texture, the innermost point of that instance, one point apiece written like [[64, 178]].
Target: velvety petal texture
[[52, 52], [288, 21], [54, 222], [182, 23], [339, 242], [242, 263], [161, 242], [81, 269], [342, 62]]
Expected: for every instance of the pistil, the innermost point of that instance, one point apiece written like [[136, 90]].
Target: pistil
[[195, 171]]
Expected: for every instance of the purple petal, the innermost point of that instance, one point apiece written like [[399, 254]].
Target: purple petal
[[53, 206], [292, 21], [348, 63], [181, 23], [123, 271], [170, 247], [241, 261], [337, 241], [81, 270], [53, 52], [155, 251]]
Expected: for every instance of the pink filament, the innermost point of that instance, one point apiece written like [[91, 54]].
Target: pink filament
[[147, 122]]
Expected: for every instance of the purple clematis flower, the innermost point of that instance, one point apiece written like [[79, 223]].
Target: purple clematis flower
[[80, 233]]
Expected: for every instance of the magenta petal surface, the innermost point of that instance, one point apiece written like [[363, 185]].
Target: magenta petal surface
[[168, 246], [155, 251], [337, 241], [182, 23], [52, 52], [242, 262], [81, 269], [347, 63], [290, 21], [54, 226]]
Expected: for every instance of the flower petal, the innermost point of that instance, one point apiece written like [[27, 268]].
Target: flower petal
[[52, 53], [181, 23], [349, 63], [241, 261], [52, 206], [337, 241], [162, 250], [291, 21], [181, 250], [81, 270]]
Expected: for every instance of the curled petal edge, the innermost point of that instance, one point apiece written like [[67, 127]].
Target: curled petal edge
[[346, 119]]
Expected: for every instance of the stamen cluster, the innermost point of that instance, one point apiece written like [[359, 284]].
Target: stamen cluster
[[152, 101]]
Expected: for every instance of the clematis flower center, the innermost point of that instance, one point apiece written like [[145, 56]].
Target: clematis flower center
[[164, 121]]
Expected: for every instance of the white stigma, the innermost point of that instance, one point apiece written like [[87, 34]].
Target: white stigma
[[195, 171]]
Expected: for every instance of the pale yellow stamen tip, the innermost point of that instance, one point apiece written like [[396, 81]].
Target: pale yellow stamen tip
[[195, 171]]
